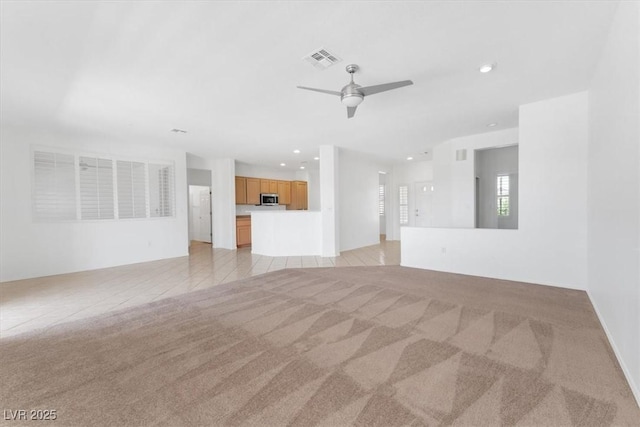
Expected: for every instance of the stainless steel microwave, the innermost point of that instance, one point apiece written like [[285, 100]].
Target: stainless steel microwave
[[268, 199]]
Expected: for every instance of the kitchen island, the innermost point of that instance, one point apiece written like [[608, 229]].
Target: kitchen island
[[286, 233]]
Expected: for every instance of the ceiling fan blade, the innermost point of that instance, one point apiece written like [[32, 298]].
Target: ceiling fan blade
[[351, 111], [330, 92], [370, 90]]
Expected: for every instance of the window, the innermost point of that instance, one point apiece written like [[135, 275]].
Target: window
[[96, 188], [132, 198], [105, 187], [403, 192], [54, 186], [160, 190], [381, 200], [502, 192]]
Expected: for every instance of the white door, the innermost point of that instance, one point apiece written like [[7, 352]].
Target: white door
[[423, 213], [200, 213]]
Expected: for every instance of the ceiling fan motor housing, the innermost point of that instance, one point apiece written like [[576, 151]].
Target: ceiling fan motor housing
[[351, 96]]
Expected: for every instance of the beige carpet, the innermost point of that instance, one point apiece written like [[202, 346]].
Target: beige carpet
[[367, 346]]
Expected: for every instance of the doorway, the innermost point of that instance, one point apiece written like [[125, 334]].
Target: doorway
[[200, 213], [496, 187], [423, 204]]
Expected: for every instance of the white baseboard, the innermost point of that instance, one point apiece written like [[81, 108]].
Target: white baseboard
[[634, 387]]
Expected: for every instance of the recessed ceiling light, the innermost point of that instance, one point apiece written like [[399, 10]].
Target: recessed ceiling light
[[316, 158], [492, 125], [409, 158], [296, 151], [283, 164], [487, 67], [301, 167]]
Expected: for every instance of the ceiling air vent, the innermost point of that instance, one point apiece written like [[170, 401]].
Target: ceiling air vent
[[321, 59]]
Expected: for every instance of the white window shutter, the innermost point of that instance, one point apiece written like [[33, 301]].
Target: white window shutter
[[132, 200], [54, 189], [403, 193], [381, 200], [161, 192], [96, 188]]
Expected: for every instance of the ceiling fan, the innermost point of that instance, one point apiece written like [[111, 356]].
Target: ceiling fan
[[353, 94]]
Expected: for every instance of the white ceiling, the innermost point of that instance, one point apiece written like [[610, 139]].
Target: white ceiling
[[227, 71]]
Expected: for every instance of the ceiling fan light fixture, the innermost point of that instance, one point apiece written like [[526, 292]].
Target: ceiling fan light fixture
[[487, 67], [352, 99], [353, 94]]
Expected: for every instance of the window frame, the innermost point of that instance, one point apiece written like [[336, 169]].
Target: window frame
[[77, 154], [500, 195], [401, 205]]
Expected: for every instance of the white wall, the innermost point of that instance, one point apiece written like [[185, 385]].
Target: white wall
[[453, 180], [550, 245], [313, 190], [329, 200], [614, 190], [256, 171], [198, 176], [358, 195], [223, 202], [33, 249]]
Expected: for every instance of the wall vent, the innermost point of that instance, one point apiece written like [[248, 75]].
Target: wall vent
[[322, 59], [461, 155]]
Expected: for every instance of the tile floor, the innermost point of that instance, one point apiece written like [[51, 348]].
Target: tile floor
[[31, 304]]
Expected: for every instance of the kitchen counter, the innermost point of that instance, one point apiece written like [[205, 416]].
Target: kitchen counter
[[286, 233]]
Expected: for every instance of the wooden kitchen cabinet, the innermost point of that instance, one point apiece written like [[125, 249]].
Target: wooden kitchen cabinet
[[253, 191], [243, 231], [241, 190], [284, 192], [269, 186], [264, 186], [298, 196], [248, 191]]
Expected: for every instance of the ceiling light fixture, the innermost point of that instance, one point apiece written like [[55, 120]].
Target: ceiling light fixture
[[316, 158], [409, 158], [296, 151], [301, 167], [492, 125], [487, 67], [352, 99], [283, 164]]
